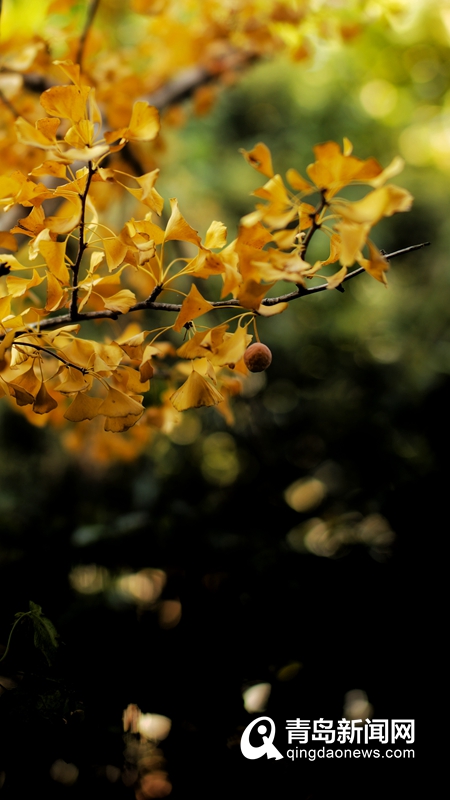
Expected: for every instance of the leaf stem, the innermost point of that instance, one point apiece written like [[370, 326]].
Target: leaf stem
[[8, 643]]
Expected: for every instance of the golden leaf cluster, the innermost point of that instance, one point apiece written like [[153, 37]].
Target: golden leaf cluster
[[67, 271], [174, 46]]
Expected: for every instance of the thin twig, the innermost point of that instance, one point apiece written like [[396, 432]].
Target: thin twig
[[7, 103], [150, 304], [92, 10], [82, 245], [302, 291], [20, 344], [175, 91], [314, 225]]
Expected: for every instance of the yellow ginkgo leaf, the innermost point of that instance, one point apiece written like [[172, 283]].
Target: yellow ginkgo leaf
[[347, 148], [149, 194], [335, 249], [121, 424], [144, 123], [71, 70], [134, 345], [54, 254], [203, 366], [286, 239], [216, 235], [19, 286], [195, 392], [5, 307], [54, 168], [283, 266], [94, 112], [146, 371], [95, 260], [115, 252], [121, 301], [389, 172], [118, 404], [271, 311], [353, 238], [28, 381], [56, 296], [376, 265], [32, 224], [8, 240], [75, 381], [232, 348], [255, 235], [68, 218], [48, 127], [81, 134], [195, 347], [31, 135], [9, 189], [5, 344], [129, 380], [79, 351], [231, 281], [337, 278], [85, 153], [251, 293], [67, 102], [194, 305], [297, 182], [21, 396], [333, 169], [279, 211], [177, 227], [110, 354], [382, 202], [259, 158], [215, 336], [44, 402], [74, 187], [205, 264], [83, 407]]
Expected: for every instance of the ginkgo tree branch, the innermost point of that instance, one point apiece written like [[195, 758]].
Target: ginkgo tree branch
[[151, 304], [188, 80], [181, 87], [92, 10], [302, 291], [315, 224], [82, 245], [7, 103]]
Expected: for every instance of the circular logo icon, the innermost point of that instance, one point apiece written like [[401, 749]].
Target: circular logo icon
[[267, 748]]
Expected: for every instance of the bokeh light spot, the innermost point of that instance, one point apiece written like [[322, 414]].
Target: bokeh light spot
[[88, 578], [220, 462], [378, 98], [256, 697], [305, 494]]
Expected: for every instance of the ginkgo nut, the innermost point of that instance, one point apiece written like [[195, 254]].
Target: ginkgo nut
[[257, 357]]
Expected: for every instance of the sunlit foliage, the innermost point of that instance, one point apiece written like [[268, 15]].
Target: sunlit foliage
[[93, 243]]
